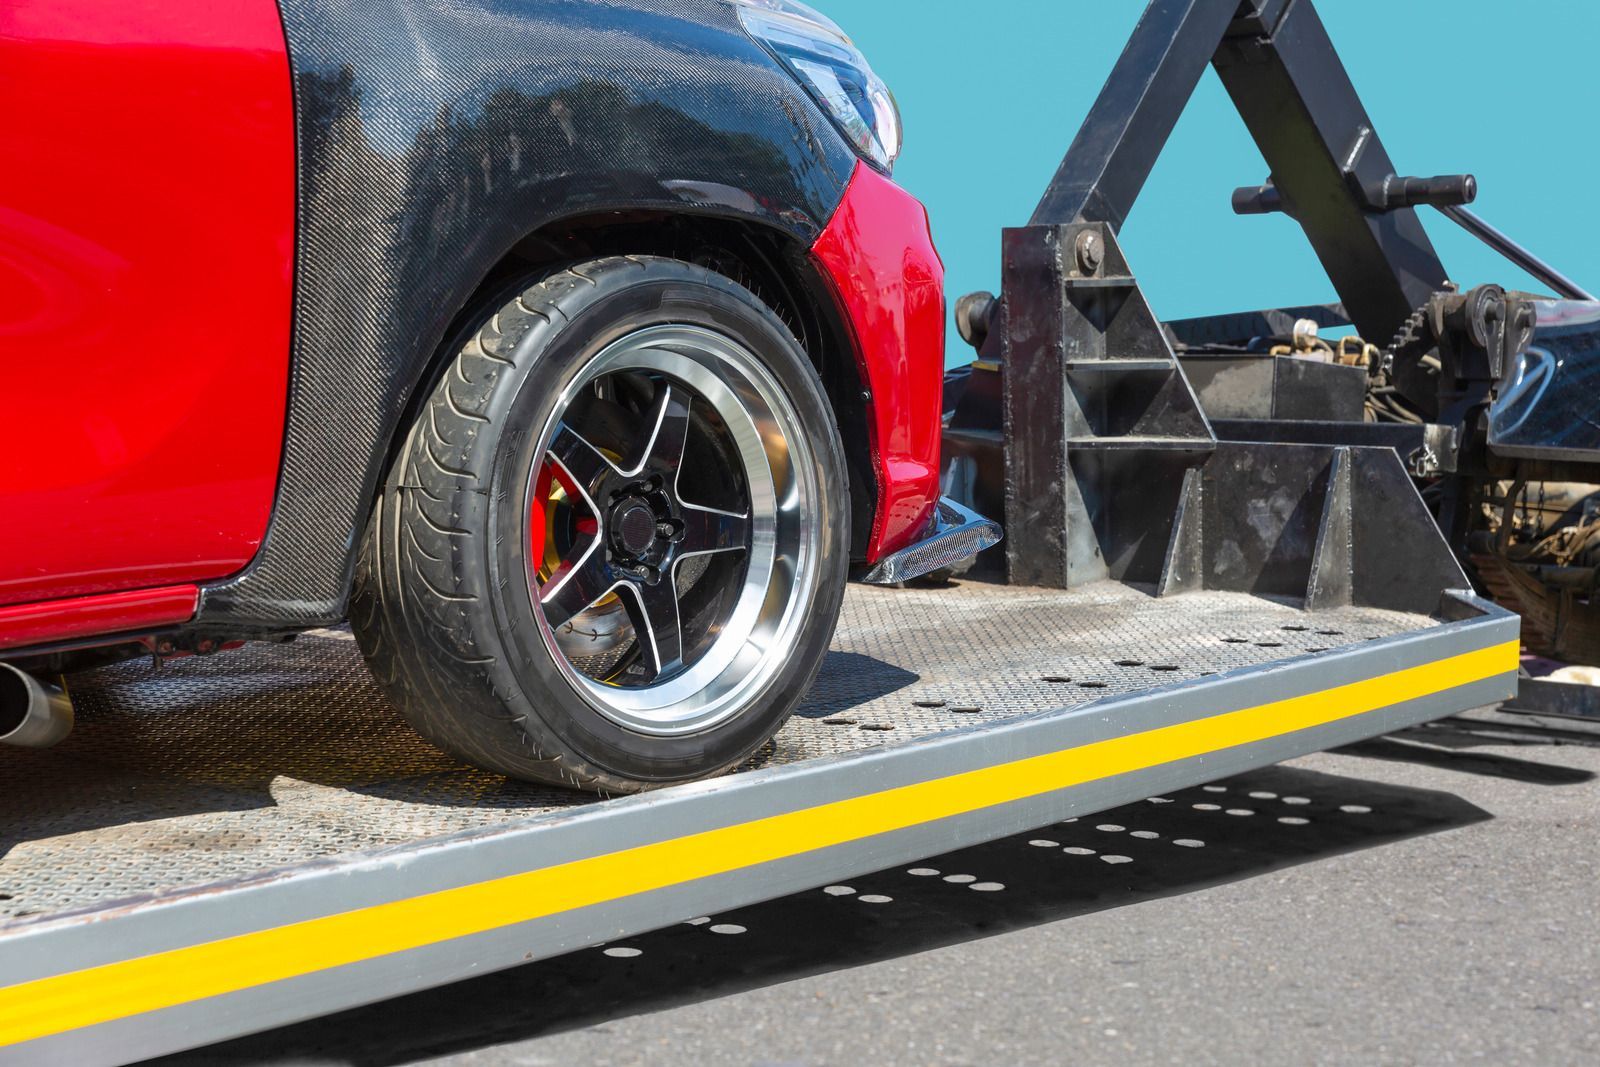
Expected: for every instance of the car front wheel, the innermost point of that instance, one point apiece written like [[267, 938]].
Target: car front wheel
[[612, 550]]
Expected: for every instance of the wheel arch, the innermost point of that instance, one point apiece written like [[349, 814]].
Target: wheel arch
[[773, 263]]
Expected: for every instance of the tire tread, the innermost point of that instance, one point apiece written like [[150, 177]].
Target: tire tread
[[418, 605]]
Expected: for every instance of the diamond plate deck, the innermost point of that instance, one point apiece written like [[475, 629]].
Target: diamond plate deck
[[212, 769]]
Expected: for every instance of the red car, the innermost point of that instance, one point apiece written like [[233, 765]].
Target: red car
[[574, 351]]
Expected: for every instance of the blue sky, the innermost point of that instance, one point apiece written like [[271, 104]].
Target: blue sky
[[993, 92]]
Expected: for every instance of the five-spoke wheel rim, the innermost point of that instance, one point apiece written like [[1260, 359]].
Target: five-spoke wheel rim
[[667, 530]]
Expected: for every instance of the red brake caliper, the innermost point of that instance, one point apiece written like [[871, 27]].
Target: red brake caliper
[[539, 522]]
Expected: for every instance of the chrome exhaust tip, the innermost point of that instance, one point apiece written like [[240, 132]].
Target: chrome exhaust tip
[[33, 714]]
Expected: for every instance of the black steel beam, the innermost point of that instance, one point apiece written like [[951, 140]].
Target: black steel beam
[[1239, 327], [1279, 67], [1502, 243], [1540, 696], [1110, 158], [1300, 106], [1426, 449]]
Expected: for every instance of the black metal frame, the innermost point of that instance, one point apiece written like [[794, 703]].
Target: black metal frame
[[1567, 700], [1329, 169], [1102, 430]]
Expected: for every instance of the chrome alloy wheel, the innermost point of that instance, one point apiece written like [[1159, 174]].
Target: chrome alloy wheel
[[669, 556]]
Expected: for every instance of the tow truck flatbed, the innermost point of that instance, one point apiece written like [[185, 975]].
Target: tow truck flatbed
[[232, 843]]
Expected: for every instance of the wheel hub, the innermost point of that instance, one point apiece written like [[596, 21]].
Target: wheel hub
[[642, 525], [633, 528]]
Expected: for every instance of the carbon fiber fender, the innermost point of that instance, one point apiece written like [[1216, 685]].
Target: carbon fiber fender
[[432, 138]]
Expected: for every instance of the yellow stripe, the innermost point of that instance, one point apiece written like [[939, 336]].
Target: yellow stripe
[[149, 983]]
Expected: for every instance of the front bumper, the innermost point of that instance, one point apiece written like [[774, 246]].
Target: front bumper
[[877, 254]]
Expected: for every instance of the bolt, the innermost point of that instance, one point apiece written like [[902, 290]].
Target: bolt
[[1089, 250]]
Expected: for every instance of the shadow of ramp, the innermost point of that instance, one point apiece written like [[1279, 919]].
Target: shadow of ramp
[[1180, 843]]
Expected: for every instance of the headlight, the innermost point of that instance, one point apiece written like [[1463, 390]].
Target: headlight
[[819, 54]]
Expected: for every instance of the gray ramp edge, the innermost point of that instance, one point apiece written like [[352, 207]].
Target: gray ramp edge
[[72, 943]]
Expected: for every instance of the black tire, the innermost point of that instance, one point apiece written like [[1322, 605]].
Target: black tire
[[442, 606]]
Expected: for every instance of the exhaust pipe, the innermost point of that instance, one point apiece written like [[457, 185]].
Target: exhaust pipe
[[33, 714]]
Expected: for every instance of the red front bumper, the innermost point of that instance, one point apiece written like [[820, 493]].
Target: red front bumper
[[879, 255]]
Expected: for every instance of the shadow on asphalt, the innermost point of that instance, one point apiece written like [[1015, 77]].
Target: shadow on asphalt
[[1447, 744], [1188, 840], [1491, 766]]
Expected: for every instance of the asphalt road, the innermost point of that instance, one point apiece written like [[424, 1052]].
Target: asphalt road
[[1428, 898]]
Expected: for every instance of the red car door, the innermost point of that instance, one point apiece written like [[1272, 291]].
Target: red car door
[[146, 245]]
